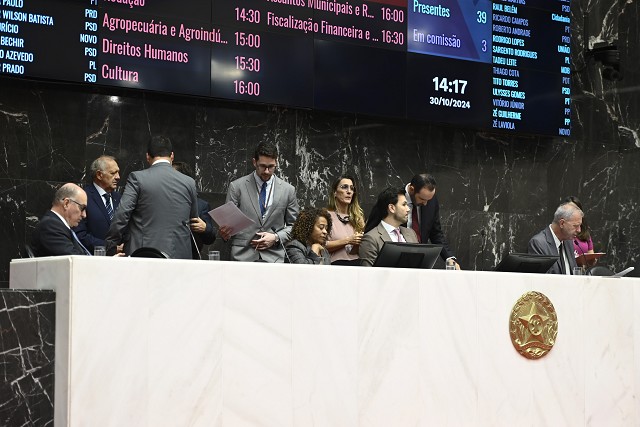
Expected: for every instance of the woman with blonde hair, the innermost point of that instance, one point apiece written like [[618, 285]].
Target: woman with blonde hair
[[348, 221]]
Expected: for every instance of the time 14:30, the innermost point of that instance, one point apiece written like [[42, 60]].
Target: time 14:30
[[453, 86]]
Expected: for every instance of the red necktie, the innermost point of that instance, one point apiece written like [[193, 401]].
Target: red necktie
[[414, 221]]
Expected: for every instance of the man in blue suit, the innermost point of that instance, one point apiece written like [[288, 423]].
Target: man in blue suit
[[102, 202]]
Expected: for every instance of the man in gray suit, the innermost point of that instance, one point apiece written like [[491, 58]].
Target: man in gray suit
[[557, 238], [270, 202], [383, 225], [156, 206]]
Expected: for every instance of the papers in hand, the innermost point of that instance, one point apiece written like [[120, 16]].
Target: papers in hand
[[228, 215]]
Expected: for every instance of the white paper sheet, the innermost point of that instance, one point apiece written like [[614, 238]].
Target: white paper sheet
[[228, 215]]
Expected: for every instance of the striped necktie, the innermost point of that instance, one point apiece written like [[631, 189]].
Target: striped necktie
[[75, 236], [107, 199]]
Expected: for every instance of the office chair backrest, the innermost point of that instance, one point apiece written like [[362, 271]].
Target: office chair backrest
[[149, 253], [599, 270]]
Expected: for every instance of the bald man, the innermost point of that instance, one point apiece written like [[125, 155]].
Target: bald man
[[53, 234]]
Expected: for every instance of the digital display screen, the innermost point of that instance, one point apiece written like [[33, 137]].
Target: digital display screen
[[501, 65]]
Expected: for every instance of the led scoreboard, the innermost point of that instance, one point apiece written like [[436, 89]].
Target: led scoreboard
[[500, 65]]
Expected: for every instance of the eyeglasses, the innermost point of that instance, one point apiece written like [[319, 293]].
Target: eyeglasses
[[80, 205], [266, 167], [347, 187]]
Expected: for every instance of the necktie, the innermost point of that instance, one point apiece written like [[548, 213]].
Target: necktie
[[75, 236], [107, 199], [562, 263], [263, 198], [396, 232], [415, 225]]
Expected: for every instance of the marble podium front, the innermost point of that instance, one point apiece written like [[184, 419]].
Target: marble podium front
[[146, 342]]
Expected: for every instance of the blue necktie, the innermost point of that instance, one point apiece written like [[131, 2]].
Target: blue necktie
[[107, 198], [263, 198], [75, 236]]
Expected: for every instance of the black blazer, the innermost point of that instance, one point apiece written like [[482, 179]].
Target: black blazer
[[52, 237], [209, 235], [430, 228], [93, 229]]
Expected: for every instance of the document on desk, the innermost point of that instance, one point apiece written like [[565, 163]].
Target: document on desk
[[228, 215]]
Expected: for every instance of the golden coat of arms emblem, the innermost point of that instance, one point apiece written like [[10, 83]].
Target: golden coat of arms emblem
[[533, 325]]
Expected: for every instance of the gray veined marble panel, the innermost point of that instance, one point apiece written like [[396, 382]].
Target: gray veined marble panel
[[27, 338]]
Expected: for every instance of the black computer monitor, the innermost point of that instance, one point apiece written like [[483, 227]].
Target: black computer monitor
[[407, 255], [527, 263]]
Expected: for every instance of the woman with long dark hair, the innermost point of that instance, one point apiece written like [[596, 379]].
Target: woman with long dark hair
[[583, 243]]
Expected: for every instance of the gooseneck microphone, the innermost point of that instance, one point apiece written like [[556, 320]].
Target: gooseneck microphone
[[576, 243], [193, 238], [286, 255]]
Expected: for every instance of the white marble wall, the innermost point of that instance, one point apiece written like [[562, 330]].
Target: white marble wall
[[197, 343]]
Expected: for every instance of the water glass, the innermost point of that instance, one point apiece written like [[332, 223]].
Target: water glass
[[99, 251], [214, 255], [578, 271]]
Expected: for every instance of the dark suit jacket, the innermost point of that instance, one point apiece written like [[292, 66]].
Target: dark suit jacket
[[209, 235], [430, 228], [155, 209], [544, 244], [93, 229], [299, 253], [373, 241], [52, 237]]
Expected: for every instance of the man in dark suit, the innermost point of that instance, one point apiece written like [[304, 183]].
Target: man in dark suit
[[53, 235], [424, 217], [270, 202], [202, 228], [155, 207], [557, 238], [102, 202], [383, 225]]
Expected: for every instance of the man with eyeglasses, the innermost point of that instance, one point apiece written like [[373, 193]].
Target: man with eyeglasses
[[557, 238], [53, 235], [270, 202], [424, 214]]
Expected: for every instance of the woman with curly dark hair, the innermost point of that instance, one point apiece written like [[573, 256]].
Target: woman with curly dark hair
[[308, 237]]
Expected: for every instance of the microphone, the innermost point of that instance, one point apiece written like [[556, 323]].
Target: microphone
[[286, 255], [576, 243], [193, 238]]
